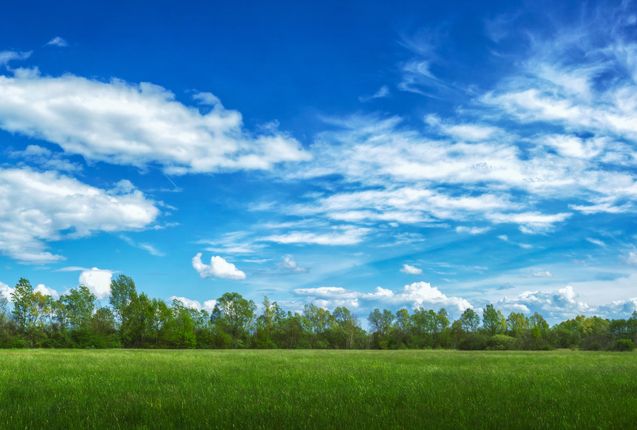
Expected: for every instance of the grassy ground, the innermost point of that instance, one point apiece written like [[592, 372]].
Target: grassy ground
[[317, 389]]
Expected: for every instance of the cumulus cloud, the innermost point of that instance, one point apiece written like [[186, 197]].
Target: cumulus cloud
[[218, 268], [41, 207], [5, 291], [136, 124], [207, 305], [98, 281], [411, 270], [415, 295], [45, 158], [564, 303], [46, 291]]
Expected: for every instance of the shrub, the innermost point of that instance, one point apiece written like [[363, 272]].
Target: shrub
[[501, 342], [472, 342], [624, 345]]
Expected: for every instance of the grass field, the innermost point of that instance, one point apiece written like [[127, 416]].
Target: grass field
[[316, 389]]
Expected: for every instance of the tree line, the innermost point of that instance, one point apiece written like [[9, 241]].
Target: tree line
[[135, 320]]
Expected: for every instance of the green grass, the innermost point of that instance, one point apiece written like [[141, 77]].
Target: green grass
[[316, 389]]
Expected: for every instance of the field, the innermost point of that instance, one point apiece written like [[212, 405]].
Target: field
[[316, 389]]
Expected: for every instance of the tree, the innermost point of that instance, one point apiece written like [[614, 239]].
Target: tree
[[517, 324], [346, 328], [79, 305], [123, 292], [234, 316], [493, 320], [24, 308], [470, 321]]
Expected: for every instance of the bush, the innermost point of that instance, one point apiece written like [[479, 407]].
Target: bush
[[472, 342], [624, 345], [501, 342]]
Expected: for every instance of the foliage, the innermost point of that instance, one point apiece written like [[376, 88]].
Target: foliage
[[135, 320]]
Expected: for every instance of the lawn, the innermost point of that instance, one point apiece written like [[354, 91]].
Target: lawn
[[316, 389]]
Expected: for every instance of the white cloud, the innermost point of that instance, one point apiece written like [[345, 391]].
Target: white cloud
[[136, 124], [381, 93], [411, 270], [339, 236], [218, 268], [207, 306], [37, 208], [597, 242], [416, 295], [7, 56], [6, 291], [149, 248], [530, 222], [631, 258], [98, 281], [564, 303], [46, 291], [45, 159], [57, 41], [289, 263], [472, 230]]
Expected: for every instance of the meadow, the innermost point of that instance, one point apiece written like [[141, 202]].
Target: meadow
[[316, 389]]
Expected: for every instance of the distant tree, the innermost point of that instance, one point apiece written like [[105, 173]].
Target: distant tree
[[123, 292], [381, 324], [103, 329], [234, 316], [470, 321], [24, 307], [346, 328], [517, 324], [79, 305], [493, 320]]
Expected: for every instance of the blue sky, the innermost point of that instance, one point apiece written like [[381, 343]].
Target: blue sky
[[381, 154]]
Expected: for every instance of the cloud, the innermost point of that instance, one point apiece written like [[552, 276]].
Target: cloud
[[530, 222], [98, 281], [218, 268], [136, 124], [289, 263], [41, 207], [46, 291], [151, 249], [472, 230], [7, 56], [207, 306], [597, 242], [57, 41], [563, 303], [45, 159], [411, 270], [6, 291], [339, 236], [415, 295], [381, 93]]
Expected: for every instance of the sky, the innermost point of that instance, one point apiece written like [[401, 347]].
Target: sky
[[366, 154]]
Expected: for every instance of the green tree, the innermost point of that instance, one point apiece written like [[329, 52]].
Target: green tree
[[234, 316], [517, 324], [24, 307], [123, 292], [493, 320], [470, 321]]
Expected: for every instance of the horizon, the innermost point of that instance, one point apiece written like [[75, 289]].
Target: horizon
[[436, 156]]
